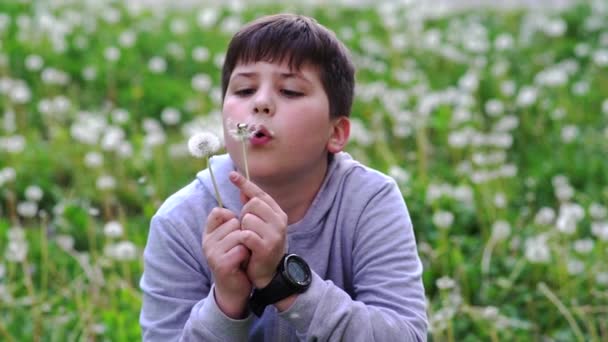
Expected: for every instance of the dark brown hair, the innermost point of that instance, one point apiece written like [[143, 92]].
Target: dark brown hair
[[296, 39]]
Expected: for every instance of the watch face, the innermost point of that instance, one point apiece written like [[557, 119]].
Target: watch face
[[298, 271]]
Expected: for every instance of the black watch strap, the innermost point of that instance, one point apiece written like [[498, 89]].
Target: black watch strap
[[279, 288]]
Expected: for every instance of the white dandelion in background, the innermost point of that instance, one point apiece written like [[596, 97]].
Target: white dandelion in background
[[443, 219], [203, 145], [113, 229]]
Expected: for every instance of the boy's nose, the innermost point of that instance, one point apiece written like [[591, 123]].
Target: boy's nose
[[263, 105]]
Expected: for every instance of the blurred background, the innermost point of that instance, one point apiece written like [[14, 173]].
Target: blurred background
[[492, 119]]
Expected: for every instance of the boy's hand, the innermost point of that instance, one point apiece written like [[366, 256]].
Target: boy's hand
[[225, 254], [264, 226]]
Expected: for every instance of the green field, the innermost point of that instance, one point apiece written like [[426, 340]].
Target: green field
[[494, 124]]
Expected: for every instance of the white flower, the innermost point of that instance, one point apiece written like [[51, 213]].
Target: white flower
[[157, 65], [106, 183], [583, 246], [12, 144], [501, 230], [203, 144], [170, 116], [494, 107], [537, 250], [16, 250], [93, 159], [545, 216], [178, 26], [127, 39], [443, 219], [597, 211], [504, 41], [200, 54], [121, 251], [65, 242], [33, 193], [89, 73], [508, 87], [208, 17], [527, 96], [566, 224], [602, 278], [120, 116], [27, 209], [112, 54], [34, 63], [445, 283], [112, 138], [113, 229], [201, 82], [600, 230], [575, 266], [600, 57], [399, 174]]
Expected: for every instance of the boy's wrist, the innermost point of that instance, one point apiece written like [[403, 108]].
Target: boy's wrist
[[235, 308]]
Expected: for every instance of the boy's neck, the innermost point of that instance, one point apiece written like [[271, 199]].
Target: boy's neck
[[295, 195]]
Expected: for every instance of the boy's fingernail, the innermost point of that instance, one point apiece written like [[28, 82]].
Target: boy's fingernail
[[234, 176]]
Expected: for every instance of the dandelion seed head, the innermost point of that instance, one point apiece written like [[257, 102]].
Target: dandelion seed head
[[203, 144], [113, 229], [27, 209], [445, 283], [443, 219], [501, 230], [33, 193], [583, 246]]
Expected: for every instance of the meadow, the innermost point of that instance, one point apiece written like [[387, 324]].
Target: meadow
[[494, 124]]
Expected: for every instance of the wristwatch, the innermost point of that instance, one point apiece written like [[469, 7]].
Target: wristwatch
[[293, 276]]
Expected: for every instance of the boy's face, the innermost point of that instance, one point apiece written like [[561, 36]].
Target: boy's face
[[291, 110]]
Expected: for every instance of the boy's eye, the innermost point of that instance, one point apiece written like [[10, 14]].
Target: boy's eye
[[244, 91], [291, 93]]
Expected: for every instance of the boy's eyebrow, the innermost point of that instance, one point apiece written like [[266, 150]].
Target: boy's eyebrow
[[283, 75]]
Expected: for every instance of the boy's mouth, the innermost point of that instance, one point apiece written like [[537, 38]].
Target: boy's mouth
[[261, 136]]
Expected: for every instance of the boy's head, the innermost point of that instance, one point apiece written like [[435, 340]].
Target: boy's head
[[297, 40]]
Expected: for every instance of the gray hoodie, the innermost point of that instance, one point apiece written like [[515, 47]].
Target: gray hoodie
[[356, 236]]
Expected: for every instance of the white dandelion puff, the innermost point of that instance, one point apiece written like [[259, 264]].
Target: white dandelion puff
[[202, 145]]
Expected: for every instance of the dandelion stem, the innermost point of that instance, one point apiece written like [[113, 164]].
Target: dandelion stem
[[562, 309], [215, 187], [245, 158]]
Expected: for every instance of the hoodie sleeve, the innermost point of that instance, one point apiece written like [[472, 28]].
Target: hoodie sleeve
[[178, 301], [388, 302]]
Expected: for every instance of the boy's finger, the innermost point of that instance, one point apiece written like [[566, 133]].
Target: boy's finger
[[217, 217], [250, 190]]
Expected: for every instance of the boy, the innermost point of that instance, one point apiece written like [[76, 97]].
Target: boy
[[315, 246]]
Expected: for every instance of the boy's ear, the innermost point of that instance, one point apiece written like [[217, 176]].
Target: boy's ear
[[339, 135]]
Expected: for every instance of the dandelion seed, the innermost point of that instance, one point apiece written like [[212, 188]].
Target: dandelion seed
[[203, 145]]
